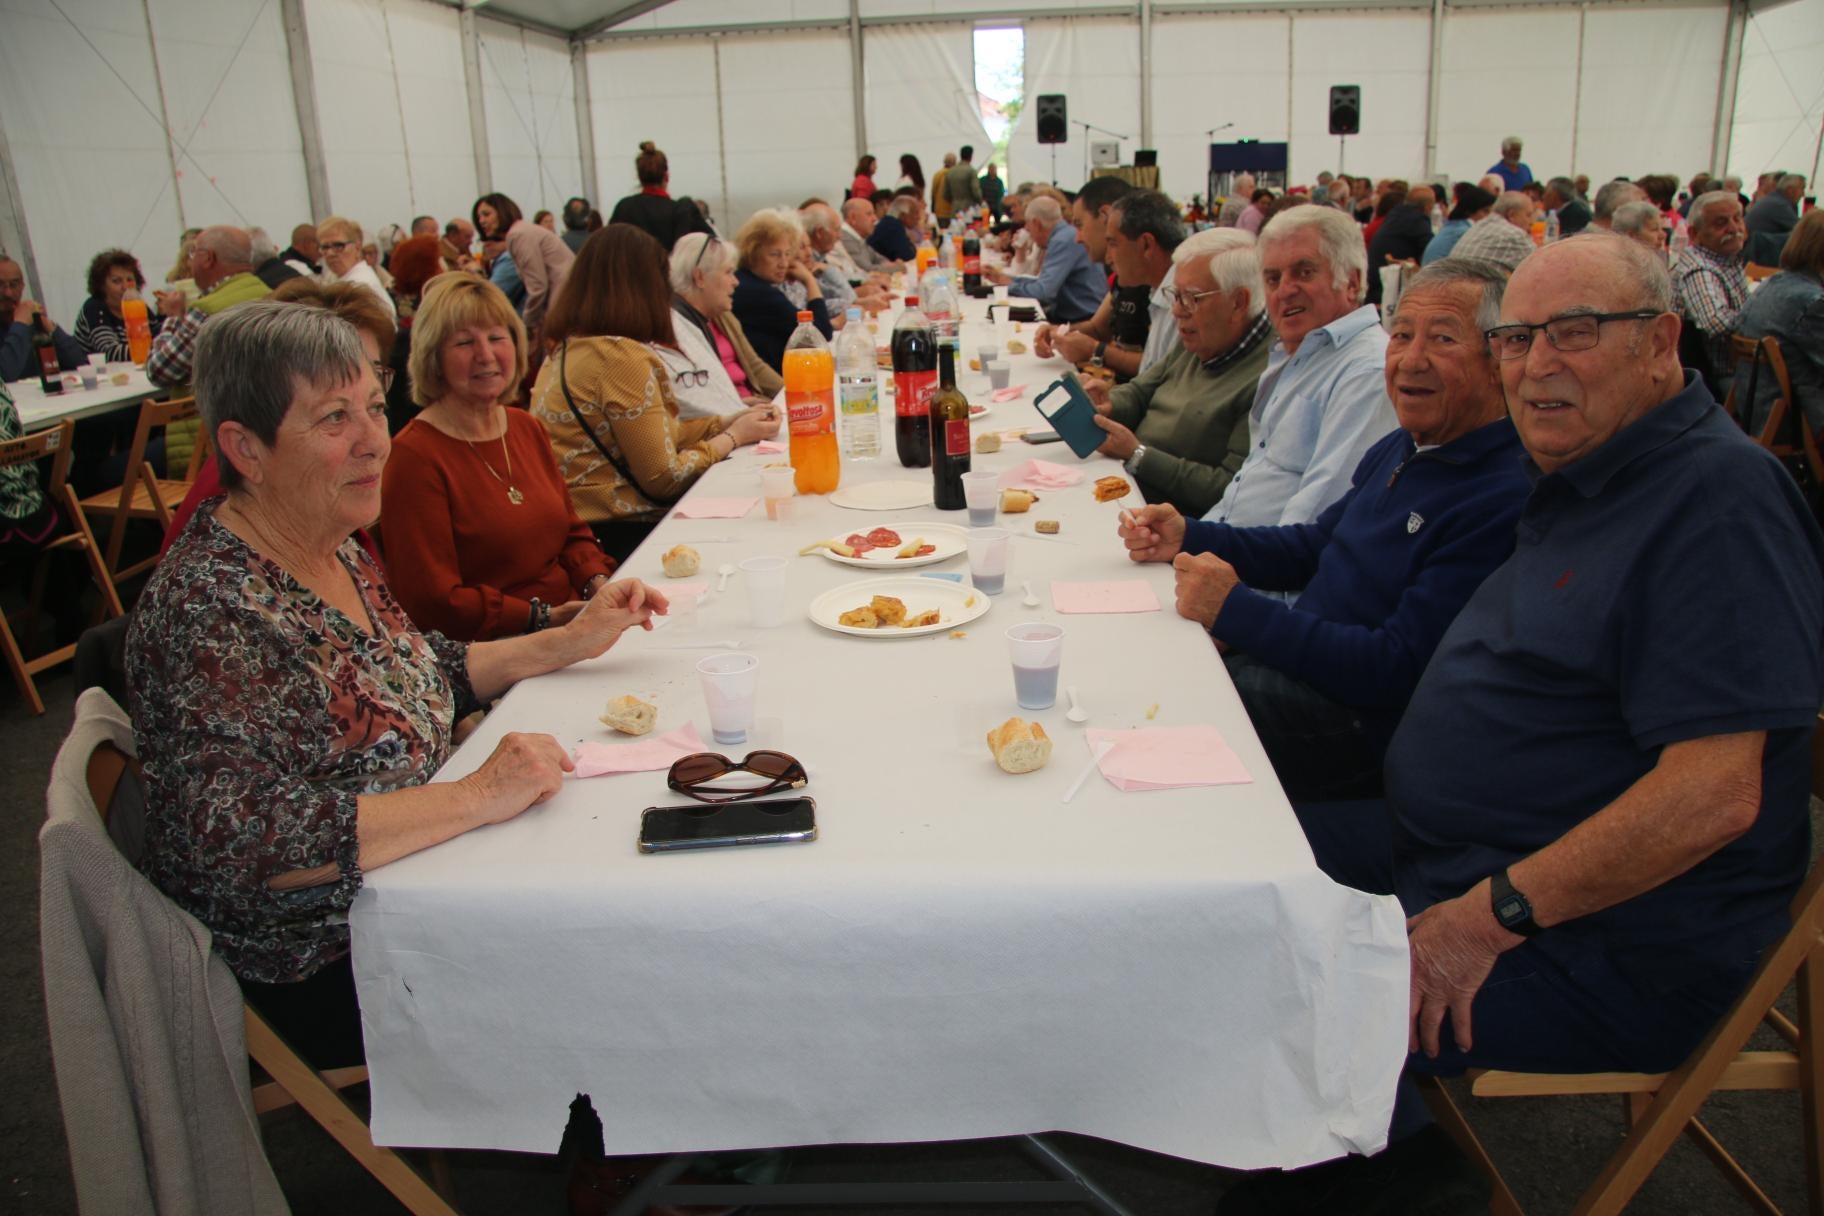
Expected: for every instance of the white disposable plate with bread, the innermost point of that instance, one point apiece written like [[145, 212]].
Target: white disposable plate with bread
[[914, 598], [883, 495], [944, 540]]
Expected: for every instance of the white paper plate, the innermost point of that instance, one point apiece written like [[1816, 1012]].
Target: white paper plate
[[951, 541], [957, 604], [884, 496], [977, 411]]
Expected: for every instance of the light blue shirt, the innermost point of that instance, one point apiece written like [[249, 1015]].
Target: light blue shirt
[[1068, 284], [505, 275], [1316, 413], [1445, 241]]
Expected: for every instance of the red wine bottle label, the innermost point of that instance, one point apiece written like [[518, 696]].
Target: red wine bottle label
[[912, 393], [956, 437]]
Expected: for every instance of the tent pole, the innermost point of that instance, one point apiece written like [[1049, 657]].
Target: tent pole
[[585, 119], [478, 114], [164, 114], [1728, 80], [1146, 73], [715, 51], [1583, 13], [1432, 90], [857, 83], [304, 98], [15, 239]]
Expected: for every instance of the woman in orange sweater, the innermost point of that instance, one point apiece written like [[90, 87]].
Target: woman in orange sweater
[[481, 538]]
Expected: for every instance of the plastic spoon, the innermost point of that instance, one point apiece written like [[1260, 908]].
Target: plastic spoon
[[1029, 599], [724, 572], [1102, 749], [1076, 713]]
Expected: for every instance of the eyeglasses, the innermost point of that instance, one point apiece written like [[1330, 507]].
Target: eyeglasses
[[780, 771], [1579, 331], [1189, 299], [335, 246], [384, 375], [701, 250], [697, 376]]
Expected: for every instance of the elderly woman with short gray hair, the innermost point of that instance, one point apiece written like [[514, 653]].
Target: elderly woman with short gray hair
[[287, 712], [702, 272]]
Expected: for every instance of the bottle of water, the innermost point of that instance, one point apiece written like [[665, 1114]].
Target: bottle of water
[[1551, 226], [940, 304], [858, 405]]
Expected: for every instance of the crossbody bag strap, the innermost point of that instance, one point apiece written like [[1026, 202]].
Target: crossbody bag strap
[[563, 382]]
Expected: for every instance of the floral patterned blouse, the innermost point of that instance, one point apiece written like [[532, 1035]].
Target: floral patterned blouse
[[261, 713]]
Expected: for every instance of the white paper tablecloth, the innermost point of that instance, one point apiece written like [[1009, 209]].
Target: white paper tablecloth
[[37, 411], [958, 955]]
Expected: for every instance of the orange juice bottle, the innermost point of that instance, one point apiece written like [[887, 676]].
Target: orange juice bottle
[[139, 327], [927, 257], [810, 409]]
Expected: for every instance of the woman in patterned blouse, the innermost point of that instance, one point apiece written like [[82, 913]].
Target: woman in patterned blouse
[[287, 713]]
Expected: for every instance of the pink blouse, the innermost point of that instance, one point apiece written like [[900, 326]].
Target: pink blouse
[[725, 351]]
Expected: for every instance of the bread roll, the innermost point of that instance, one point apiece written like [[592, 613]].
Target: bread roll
[[630, 715], [1017, 502], [680, 561], [988, 441], [1019, 746]]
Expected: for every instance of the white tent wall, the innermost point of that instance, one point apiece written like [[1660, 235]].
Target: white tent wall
[[1511, 72], [920, 90], [1779, 102], [1681, 50], [663, 91], [1389, 56], [1095, 63], [529, 94], [788, 121], [1250, 53]]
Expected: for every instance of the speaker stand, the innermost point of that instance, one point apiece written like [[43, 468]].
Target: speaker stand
[[1054, 164], [1342, 146]]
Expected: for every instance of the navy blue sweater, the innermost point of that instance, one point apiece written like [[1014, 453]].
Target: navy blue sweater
[[1384, 571], [768, 318]]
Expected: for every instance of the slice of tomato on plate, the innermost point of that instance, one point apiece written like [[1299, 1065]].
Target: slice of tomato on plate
[[859, 543], [881, 538]]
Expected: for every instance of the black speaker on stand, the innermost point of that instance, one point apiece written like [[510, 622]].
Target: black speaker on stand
[[1054, 126], [1345, 116]]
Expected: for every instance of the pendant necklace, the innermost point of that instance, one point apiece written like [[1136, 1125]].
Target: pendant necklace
[[513, 494]]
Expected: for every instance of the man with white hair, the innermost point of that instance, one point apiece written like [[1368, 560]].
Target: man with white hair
[[1505, 237], [1611, 198], [1132, 330], [1384, 571], [1513, 174], [1492, 183], [824, 229], [1241, 193], [1641, 221], [1321, 403], [1181, 426], [1068, 286], [1772, 218], [1710, 278], [858, 222], [892, 235], [221, 262]]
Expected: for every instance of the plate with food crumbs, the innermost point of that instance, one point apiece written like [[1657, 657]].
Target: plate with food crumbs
[[899, 545], [897, 607]]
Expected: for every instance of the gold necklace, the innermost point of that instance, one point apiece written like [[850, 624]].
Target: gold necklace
[[513, 494]]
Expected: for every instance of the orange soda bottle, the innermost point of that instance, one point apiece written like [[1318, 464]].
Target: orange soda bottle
[[139, 327], [810, 409]]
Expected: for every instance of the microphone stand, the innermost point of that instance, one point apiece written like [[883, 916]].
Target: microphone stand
[[1209, 184], [1087, 128]]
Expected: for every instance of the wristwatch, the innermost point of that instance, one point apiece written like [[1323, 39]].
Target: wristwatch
[[1132, 463], [1095, 360], [540, 615], [1512, 909]]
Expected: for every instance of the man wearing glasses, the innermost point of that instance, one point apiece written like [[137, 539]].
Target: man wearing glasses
[[1598, 800]]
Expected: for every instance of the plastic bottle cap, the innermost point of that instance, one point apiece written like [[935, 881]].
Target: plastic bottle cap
[[854, 314], [911, 301], [804, 314]]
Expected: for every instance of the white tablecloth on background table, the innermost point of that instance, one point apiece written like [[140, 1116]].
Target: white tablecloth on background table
[[958, 955], [37, 411]]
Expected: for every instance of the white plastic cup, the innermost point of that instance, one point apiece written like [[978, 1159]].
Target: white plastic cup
[[729, 685], [982, 495], [1037, 651], [765, 579], [1000, 293], [987, 355], [988, 559], [777, 486], [98, 361], [90, 376], [998, 376]]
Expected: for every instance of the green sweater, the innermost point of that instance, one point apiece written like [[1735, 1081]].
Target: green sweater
[[1194, 422], [180, 437]]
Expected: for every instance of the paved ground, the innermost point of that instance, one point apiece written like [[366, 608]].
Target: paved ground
[[1548, 1148]]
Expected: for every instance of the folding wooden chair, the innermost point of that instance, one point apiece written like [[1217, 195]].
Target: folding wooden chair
[[1661, 1106], [1764, 354], [57, 443], [142, 494], [1757, 272], [293, 1080]]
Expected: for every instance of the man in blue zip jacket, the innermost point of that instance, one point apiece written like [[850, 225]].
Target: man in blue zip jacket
[[1383, 572]]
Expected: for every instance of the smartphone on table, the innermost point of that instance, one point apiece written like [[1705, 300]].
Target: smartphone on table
[[667, 829]]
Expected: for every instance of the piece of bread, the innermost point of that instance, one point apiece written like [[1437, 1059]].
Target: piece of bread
[[630, 715], [890, 610], [860, 618], [1110, 488], [1048, 526], [1017, 502], [987, 441], [681, 561], [1019, 746], [928, 617], [1014, 345]]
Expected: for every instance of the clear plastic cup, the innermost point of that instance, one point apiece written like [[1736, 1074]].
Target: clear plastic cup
[[1000, 294], [988, 549], [765, 579], [1037, 651], [998, 376], [89, 374], [777, 486], [982, 495], [98, 361], [729, 685]]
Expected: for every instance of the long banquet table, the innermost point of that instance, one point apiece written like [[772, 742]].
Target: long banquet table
[[38, 410], [958, 955]]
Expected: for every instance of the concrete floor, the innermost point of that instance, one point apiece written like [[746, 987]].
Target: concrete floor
[[1548, 1148]]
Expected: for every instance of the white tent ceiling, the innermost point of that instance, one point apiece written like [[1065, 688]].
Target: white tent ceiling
[[121, 124]]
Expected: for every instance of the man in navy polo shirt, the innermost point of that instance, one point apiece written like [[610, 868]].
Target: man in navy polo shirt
[[1599, 794], [1384, 570]]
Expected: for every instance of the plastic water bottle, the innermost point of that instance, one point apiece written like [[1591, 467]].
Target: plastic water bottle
[[1551, 226], [858, 401], [940, 305]]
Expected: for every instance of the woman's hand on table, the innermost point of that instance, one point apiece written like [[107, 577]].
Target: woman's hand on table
[[753, 425], [524, 771], [1153, 533], [599, 623]]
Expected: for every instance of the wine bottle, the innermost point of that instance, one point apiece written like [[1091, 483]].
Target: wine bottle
[[44, 345], [949, 435]]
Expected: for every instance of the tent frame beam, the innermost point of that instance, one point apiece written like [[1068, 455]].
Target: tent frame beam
[[304, 98], [478, 112]]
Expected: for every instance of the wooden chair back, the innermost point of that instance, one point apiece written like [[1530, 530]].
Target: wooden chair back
[[1757, 272], [58, 443]]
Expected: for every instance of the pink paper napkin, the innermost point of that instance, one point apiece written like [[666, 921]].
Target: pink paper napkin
[[1167, 758], [1012, 392], [1125, 595], [686, 591], [714, 508], [1040, 475], [767, 447], [659, 751]]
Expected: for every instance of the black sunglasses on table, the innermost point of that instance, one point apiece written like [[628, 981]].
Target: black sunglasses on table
[[779, 771]]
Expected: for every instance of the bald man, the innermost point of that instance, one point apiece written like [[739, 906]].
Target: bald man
[[303, 254], [17, 314], [222, 264], [858, 222]]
